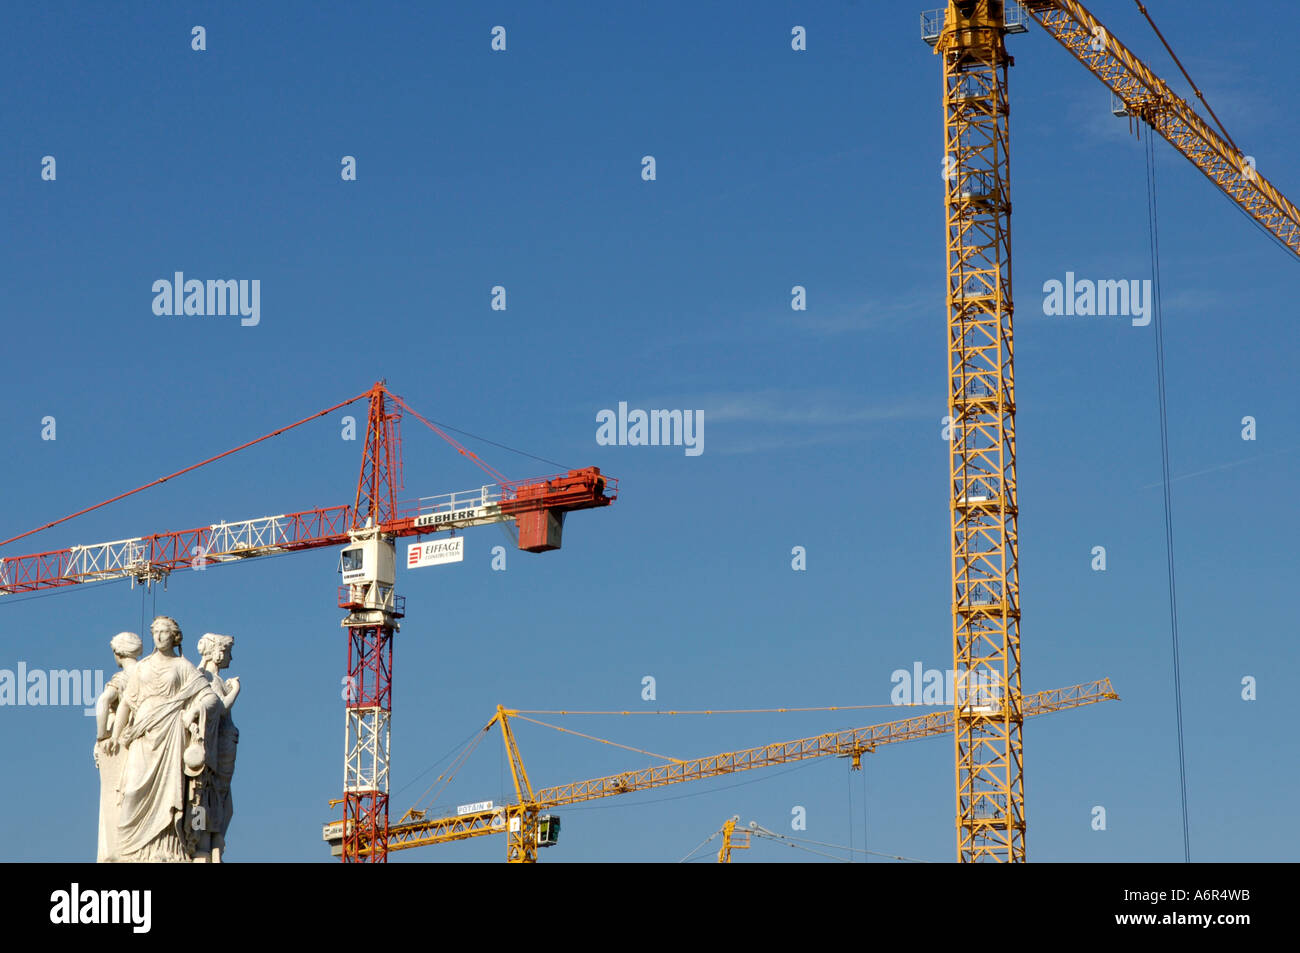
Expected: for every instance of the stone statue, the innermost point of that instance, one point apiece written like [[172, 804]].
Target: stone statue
[[212, 796], [167, 725], [126, 650]]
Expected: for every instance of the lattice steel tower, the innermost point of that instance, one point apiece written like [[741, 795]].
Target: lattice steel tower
[[368, 568], [982, 405]]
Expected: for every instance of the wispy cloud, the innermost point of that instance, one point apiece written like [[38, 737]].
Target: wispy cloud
[[1197, 301], [776, 420], [803, 409], [865, 316], [783, 442], [1217, 467], [822, 321]]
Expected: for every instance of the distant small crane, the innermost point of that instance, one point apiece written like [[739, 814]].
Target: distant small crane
[[528, 823], [731, 840]]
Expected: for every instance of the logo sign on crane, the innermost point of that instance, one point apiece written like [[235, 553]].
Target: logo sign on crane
[[448, 517], [476, 808], [435, 553]]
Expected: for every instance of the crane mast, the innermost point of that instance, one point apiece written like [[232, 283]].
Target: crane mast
[[368, 593], [970, 35], [990, 816]]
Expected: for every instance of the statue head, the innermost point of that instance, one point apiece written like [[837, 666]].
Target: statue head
[[216, 648], [166, 634], [126, 645]]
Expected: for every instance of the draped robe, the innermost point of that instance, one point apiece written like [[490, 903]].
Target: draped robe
[[217, 800], [160, 690], [110, 769]]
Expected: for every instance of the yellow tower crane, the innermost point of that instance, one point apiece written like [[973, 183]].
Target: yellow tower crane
[[970, 36], [527, 826]]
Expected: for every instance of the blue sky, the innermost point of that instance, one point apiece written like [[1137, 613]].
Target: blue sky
[[522, 169]]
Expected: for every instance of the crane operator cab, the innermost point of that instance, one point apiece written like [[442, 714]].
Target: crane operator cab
[[548, 830], [368, 569]]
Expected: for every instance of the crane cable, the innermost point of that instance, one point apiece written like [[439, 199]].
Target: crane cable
[[195, 466], [862, 769], [758, 778], [468, 747], [864, 803], [849, 777], [275, 433], [456, 749], [1291, 252], [447, 776], [1154, 241], [697, 847], [604, 741], [440, 430], [481, 733], [520, 714], [707, 711], [144, 594], [1187, 76], [758, 831]]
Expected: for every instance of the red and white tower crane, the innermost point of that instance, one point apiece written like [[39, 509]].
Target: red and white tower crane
[[367, 532]]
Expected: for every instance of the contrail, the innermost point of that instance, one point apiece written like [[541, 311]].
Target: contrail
[[1221, 466]]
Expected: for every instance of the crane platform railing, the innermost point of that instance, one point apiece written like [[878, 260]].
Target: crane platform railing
[[572, 490], [142, 558], [1014, 16]]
